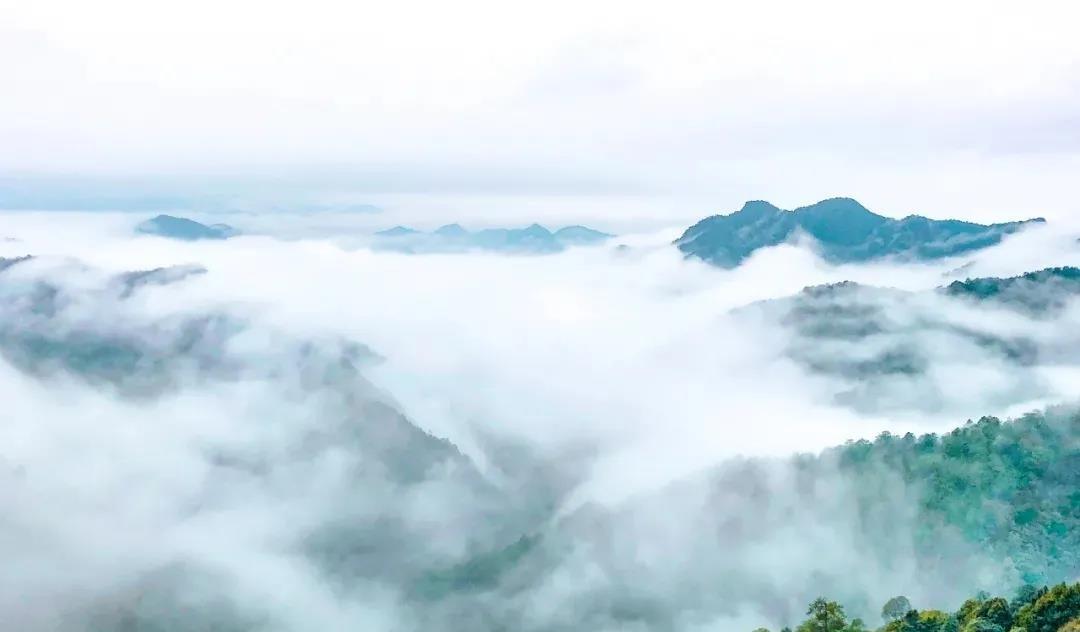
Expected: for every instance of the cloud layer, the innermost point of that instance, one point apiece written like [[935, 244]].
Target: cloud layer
[[265, 445]]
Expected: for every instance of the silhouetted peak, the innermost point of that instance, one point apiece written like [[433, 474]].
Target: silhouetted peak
[[536, 229], [838, 206], [451, 230], [183, 228], [758, 207], [396, 231]]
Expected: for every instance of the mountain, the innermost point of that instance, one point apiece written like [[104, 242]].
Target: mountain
[[533, 239], [580, 235], [451, 230], [1034, 292], [7, 262], [990, 505], [845, 231], [396, 231], [882, 346], [53, 331], [184, 229], [129, 282]]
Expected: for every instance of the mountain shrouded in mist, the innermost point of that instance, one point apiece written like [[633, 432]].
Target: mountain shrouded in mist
[[269, 434], [53, 332], [989, 504], [882, 342], [1036, 292], [533, 239], [184, 229], [843, 229]]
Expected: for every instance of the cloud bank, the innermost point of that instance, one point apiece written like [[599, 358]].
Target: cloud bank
[[310, 433]]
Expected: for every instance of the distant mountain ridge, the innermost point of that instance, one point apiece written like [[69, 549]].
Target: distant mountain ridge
[[1034, 292], [845, 230], [533, 239], [875, 338], [184, 229], [1040, 292]]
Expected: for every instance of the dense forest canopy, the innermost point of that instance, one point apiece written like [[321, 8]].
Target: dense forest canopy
[[1013, 486]]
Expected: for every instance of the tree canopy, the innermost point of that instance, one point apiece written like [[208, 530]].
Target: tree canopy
[[1047, 609]]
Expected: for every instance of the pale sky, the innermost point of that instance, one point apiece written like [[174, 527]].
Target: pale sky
[[608, 110]]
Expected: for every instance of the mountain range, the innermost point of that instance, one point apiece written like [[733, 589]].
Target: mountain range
[[184, 229], [534, 239], [1034, 292], [878, 343], [843, 229]]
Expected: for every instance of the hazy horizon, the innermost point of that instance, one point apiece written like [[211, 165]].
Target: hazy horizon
[[512, 114]]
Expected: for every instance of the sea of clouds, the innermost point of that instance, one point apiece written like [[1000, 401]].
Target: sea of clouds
[[344, 420]]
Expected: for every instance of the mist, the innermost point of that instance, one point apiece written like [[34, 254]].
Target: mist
[[293, 431]]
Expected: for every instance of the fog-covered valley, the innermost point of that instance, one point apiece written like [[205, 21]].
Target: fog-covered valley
[[269, 432]]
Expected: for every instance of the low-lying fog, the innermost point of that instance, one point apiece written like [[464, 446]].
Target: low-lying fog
[[236, 492]]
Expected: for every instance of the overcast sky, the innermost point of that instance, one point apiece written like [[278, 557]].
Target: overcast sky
[[509, 112]]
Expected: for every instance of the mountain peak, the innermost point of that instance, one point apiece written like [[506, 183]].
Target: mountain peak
[[758, 207], [578, 234], [396, 231], [837, 206], [534, 238], [536, 229], [451, 230], [843, 228], [842, 221], [183, 228]]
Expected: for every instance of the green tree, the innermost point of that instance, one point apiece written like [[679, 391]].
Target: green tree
[[825, 616], [968, 611], [895, 608], [997, 612], [978, 624], [1026, 594], [933, 621], [952, 624], [1054, 609], [1051, 611]]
